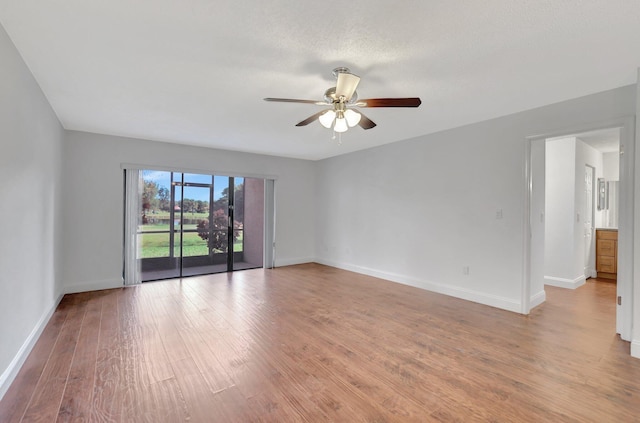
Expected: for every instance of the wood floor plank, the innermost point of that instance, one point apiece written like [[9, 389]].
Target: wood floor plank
[[216, 375], [107, 393], [15, 401], [77, 399], [132, 388], [199, 399], [313, 343], [48, 392], [156, 360], [169, 318]]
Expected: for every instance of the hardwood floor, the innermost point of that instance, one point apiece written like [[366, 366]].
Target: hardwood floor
[[313, 343]]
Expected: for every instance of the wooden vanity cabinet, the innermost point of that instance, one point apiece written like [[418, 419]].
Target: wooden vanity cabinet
[[607, 253]]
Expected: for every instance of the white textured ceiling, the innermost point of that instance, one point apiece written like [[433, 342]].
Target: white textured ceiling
[[195, 71], [605, 141]]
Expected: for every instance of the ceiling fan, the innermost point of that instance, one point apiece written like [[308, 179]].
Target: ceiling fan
[[342, 101]]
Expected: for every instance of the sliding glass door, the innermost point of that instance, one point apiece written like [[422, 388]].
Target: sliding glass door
[[194, 224]]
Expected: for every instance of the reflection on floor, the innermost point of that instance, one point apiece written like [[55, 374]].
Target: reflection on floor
[[154, 275]]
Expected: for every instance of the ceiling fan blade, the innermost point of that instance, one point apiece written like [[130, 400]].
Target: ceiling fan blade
[[292, 100], [347, 84], [390, 102], [311, 118], [365, 122]]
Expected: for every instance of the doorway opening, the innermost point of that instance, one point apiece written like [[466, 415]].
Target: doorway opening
[[572, 166], [566, 212], [195, 224], [589, 221]]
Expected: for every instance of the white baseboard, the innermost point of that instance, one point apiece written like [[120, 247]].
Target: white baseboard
[[635, 348], [94, 286], [452, 291], [293, 261], [537, 299], [565, 283], [10, 373]]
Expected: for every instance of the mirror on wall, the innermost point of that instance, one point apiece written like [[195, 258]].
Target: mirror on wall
[[611, 211], [608, 202], [602, 194]]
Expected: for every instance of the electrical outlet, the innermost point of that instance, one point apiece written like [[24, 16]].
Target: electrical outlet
[[499, 214], [465, 270]]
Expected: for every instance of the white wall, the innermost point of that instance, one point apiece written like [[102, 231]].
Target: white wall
[[635, 341], [611, 173], [536, 293], [93, 198], [611, 166], [418, 211], [587, 155], [560, 266], [30, 210]]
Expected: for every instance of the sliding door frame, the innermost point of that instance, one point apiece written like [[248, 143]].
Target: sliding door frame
[[269, 199]]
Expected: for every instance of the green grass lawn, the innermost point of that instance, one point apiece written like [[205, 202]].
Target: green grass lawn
[[157, 245]]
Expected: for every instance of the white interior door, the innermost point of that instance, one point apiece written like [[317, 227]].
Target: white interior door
[[589, 256]]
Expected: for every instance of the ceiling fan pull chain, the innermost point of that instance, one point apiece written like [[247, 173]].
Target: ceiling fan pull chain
[[333, 137]]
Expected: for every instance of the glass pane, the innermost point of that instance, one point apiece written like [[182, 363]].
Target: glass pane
[[156, 198], [219, 243], [221, 193], [154, 230], [196, 221], [176, 244], [194, 245], [195, 206], [220, 202], [238, 241], [184, 221], [153, 245], [197, 178], [177, 206], [238, 214]]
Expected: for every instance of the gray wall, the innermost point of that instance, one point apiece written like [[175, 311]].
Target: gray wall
[[30, 205], [560, 265], [93, 198], [565, 257], [635, 343], [421, 210]]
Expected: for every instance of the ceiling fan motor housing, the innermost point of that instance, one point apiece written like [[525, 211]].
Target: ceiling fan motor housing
[[341, 69], [330, 96]]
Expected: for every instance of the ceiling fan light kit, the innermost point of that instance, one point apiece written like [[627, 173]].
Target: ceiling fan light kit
[[340, 118], [326, 119], [342, 99], [341, 124], [352, 117]]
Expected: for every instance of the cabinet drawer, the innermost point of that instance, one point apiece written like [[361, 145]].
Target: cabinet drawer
[[606, 247], [606, 264], [606, 234]]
